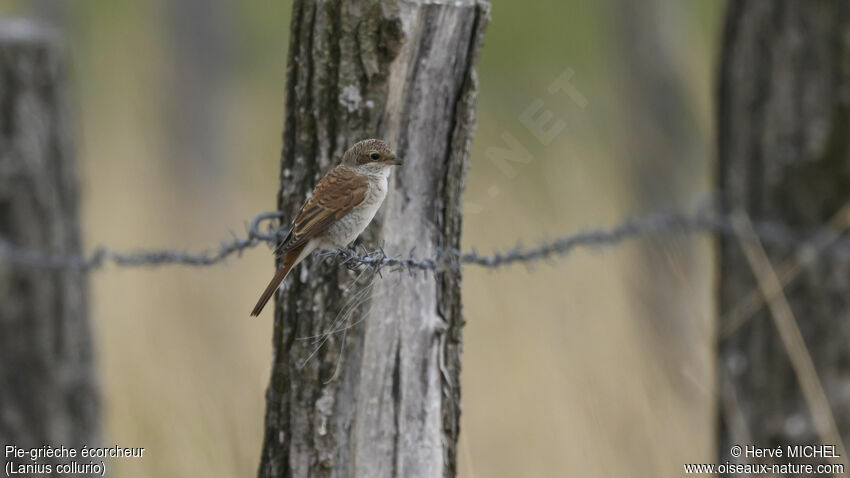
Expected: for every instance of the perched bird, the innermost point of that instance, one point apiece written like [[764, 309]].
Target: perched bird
[[341, 206]]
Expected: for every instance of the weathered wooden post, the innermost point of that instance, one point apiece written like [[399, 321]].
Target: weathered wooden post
[[784, 155], [386, 402], [48, 390]]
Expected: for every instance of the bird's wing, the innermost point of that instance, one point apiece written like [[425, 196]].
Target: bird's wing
[[335, 196]]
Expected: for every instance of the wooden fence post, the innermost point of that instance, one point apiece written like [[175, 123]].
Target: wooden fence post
[[386, 402], [48, 390], [783, 116]]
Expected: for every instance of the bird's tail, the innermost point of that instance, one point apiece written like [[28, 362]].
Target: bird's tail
[[289, 261]]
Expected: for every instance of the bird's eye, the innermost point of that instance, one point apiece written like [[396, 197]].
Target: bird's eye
[[375, 156]]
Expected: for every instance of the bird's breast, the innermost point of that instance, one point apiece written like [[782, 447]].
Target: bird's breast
[[344, 231]]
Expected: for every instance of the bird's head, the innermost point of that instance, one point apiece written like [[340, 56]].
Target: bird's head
[[370, 155]]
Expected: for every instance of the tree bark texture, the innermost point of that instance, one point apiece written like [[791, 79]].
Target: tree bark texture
[[383, 397], [784, 155], [48, 390]]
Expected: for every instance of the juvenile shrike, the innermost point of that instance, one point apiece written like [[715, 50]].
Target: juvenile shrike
[[343, 203]]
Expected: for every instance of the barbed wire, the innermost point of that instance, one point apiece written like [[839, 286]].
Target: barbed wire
[[104, 255], [708, 222]]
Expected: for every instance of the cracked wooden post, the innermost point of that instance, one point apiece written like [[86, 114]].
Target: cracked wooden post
[[386, 402], [48, 390], [783, 116]]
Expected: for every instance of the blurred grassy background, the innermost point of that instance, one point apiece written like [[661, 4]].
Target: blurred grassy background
[[596, 365]]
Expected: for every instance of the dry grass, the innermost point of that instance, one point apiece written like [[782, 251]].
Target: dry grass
[[561, 376]]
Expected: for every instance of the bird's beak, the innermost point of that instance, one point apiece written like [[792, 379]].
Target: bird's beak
[[395, 161]]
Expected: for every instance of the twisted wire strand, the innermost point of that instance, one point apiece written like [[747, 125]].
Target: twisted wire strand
[[445, 260]]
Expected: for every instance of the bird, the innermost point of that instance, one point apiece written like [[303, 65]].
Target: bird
[[342, 204]]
